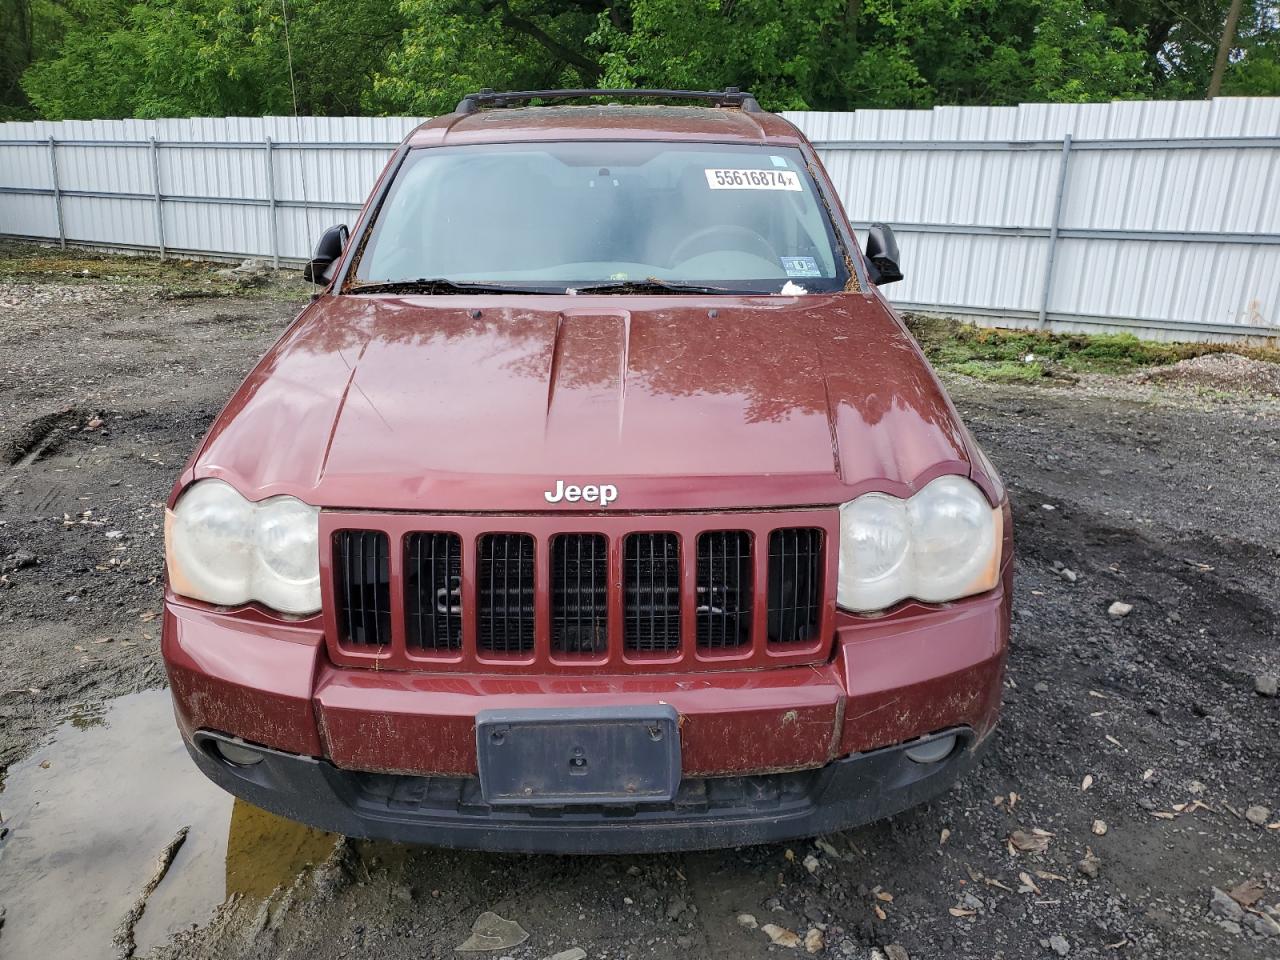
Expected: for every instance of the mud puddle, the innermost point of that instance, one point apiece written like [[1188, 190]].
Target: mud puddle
[[87, 816]]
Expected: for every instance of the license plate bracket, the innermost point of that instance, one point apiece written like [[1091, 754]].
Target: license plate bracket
[[579, 755]]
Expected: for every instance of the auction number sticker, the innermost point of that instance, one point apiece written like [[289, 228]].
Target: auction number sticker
[[737, 179]]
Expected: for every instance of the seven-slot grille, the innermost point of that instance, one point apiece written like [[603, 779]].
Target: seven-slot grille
[[465, 596]]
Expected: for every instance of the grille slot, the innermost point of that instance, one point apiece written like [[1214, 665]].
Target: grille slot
[[360, 558], [651, 592], [795, 584], [724, 590], [505, 611], [579, 593], [433, 591]]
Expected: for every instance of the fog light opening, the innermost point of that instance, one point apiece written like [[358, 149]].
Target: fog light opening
[[933, 751], [237, 755]]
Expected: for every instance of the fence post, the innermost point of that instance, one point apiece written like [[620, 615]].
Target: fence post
[[271, 196], [155, 182], [57, 192], [1053, 230]]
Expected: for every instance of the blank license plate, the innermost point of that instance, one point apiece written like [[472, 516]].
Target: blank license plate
[[582, 755]]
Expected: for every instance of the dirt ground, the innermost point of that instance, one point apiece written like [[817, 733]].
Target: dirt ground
[[1155, 495]]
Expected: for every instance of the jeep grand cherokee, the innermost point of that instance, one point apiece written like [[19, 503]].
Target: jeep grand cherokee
[[599, 502]]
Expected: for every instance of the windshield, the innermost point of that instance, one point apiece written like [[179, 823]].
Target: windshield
[[556, 217]]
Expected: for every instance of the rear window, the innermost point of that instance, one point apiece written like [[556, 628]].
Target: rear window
[[555, 216]]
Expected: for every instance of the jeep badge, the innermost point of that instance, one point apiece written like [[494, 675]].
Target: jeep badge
[[603, 494]]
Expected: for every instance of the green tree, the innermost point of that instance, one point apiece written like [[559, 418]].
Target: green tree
[[93, 73], [17, 50], [775, 48], [1256, 71], [107, 58], [214, 57], [453, 47], [1181, 38], [832, 54], [1077, 55]]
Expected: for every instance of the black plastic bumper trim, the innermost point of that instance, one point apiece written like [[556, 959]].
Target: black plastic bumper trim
[[846, 793]]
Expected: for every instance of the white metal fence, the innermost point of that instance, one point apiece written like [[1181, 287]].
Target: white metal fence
[[229, 187], [1164, 217]]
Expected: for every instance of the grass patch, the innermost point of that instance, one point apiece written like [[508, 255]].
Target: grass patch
[[1000, 355], [32, 263], [1001, 371]]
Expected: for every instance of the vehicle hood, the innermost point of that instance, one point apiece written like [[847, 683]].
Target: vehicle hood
[[482, 404]]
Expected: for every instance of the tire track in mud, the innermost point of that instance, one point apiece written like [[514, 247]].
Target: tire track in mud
[[41, 437]]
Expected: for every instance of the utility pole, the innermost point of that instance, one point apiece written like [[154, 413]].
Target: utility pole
[[1224, 48]]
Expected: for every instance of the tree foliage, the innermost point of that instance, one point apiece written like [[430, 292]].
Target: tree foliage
[[16, 53], [117, 58]]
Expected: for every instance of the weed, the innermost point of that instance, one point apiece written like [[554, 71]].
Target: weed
[[1000, 371], [178, 278], [1002, 355]]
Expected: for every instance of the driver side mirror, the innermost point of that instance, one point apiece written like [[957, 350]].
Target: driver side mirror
[[882, 251], [332, 242]]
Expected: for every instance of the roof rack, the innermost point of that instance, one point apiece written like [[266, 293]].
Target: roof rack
[[728, 97]]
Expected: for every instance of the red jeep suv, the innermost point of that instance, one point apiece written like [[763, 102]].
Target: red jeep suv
[[599, 502]]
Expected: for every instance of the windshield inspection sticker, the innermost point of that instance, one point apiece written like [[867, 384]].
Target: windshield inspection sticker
[[800, 266], [753, 180]]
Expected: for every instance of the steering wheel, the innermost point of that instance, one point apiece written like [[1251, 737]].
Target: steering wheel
[[741, 233]]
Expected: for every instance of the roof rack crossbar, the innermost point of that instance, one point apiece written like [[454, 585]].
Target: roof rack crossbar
[[728, 97]]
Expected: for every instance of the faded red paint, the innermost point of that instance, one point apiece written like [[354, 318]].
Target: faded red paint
[[378, 408], [921, 669], [395, 403], [242, 674], [411, 722], [891, 679]]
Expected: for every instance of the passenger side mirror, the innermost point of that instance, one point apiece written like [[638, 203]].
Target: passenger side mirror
[[882, 251], [332, 242]]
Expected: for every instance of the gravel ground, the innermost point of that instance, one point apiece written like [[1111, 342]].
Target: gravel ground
[[1156, 496], [1228, 371]]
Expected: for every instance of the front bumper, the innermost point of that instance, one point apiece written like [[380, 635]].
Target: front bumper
[[706, 813], [807, 748]]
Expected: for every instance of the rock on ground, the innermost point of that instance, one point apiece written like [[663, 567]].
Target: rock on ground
[[1258, 814], [1223, 906]]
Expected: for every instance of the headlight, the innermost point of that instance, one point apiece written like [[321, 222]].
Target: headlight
[[224, 549], [942, 544]]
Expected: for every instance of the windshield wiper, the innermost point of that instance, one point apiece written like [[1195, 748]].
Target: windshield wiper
[[438, 285], [650, 285]]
